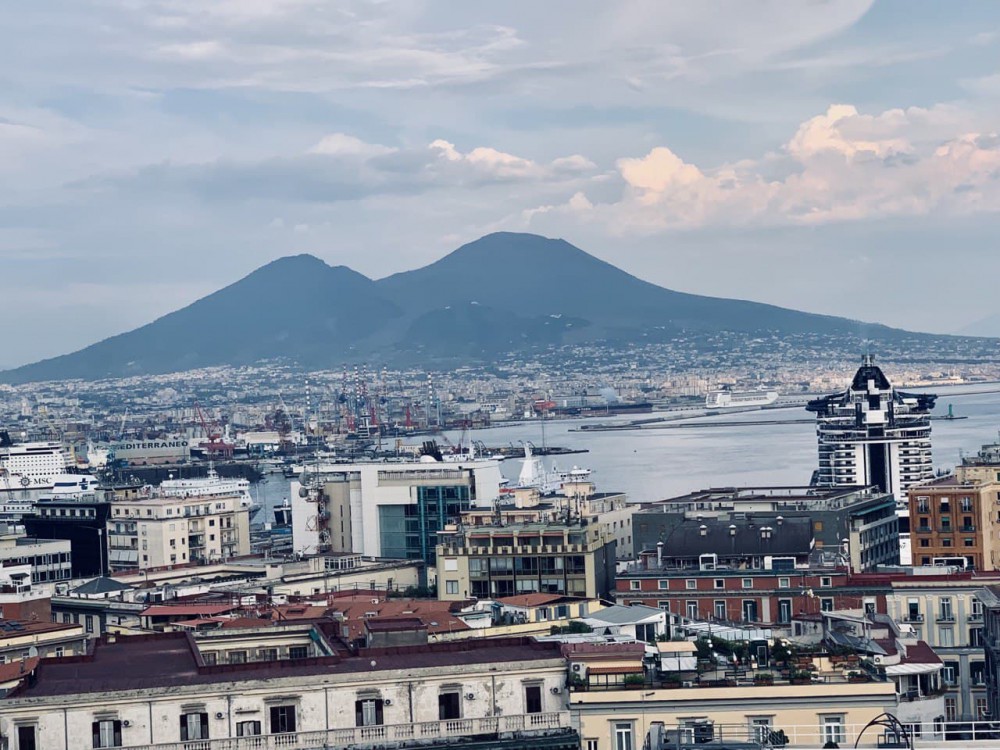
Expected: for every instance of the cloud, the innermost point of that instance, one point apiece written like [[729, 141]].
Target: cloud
[[839, 166]]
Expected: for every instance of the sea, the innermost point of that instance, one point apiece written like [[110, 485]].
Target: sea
[[759, 448]]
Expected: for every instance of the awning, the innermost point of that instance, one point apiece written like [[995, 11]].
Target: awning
[[676, 647], [895, 670], [678, 663]]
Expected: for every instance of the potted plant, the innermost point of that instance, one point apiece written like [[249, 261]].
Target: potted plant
[[857, 677], [634, 680], [671, 681], [763, 678], [801, 677]]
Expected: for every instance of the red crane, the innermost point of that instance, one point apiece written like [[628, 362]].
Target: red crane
[[216, 447]]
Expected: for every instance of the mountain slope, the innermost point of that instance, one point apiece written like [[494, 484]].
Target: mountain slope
[[296, 307], [531, 276]]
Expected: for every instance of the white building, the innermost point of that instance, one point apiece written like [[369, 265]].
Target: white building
[[387, 509], [872, 434], [160, 531], [294, 685]]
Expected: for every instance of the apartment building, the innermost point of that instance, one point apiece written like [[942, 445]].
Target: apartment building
[[293, 686], [774, 521], [944, 611], [489, 562], [163, 531], [49, 560]]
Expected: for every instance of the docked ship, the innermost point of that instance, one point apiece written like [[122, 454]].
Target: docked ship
[[209, 486], [31, 466], [15, 507], [726, 398]]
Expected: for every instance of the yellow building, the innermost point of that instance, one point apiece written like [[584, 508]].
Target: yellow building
[[809, 715]]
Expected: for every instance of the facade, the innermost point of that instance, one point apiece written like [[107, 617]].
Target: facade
[[293, 686], [765, 597], [50, 560], [873, 435], [750, 524], [491, 562], [989, 599], [387, 509], [952, 519], [943, 610], [809, 715], [163, 531]]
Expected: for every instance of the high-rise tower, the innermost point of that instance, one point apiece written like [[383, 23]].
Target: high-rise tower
[[872, 434]]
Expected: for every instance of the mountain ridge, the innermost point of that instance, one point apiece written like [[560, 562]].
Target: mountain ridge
[[503, 292]]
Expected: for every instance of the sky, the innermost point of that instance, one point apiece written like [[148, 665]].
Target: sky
[[836, 157]]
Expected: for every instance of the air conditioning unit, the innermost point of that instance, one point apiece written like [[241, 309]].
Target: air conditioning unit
[[687, 684], [219, 715], [375, 600], [577, 667], [470, 696], [556, 691], [126, 723], [387, 702]]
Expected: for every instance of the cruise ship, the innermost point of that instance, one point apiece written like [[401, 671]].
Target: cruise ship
[[725, 398], [31, 466], [15, 507], [208, 486]]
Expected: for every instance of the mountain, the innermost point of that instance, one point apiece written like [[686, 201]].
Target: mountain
[[504, 292], [988, 326], [293, 307]]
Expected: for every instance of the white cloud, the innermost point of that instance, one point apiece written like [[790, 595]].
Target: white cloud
[[341, 144]]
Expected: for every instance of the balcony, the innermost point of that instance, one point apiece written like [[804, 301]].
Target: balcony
[[549, 730], [913, 617]]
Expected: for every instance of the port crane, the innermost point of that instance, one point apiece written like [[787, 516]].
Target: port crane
[[216, 447]]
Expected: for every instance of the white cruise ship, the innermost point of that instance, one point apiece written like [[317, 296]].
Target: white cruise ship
[[208, 486], [15, 507], [728, 399], [32, 466]]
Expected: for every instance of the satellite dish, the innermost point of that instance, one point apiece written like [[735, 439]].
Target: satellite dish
[[32, 652]]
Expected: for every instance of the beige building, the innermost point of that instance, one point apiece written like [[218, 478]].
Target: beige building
[[162, 531], [809, 715], [492, 562]]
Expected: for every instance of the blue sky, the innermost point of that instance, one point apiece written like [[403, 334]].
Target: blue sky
[[838, 157]]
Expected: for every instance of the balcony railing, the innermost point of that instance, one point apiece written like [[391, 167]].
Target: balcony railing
[[385, 736]]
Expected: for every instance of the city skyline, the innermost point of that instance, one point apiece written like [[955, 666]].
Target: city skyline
[[736, 151]]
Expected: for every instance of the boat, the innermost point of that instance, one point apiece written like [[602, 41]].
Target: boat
[[535, 475], [210, 485], [32, 466], [726, 398], [64, 486]]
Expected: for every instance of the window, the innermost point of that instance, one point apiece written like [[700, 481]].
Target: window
[[949, 672], [977, 673], [720, 583], [976, 637], [826, 581], [760, 728], [237, 657], [89, 620], [298, 652], [194, 726], [913, 610], [690, 584], [449, 705], [720, 609], [784, 583], [247, 728], [622, 736], [107, 733], [59, 651], [208, 657], [26, 738], [692, 610], [634, 585], [368, 712], [981, 708], [533, 699], [826, 605], [268, 654], [944, 608], [748, 583], [832, 729], [784, 611], [950, 709], [592, 744], [451, 587], [947, 637], [282, 719]]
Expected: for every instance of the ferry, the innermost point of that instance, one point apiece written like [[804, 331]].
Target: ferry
[[725, 398], [208, 486]]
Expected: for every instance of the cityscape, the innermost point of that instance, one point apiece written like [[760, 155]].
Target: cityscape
[[511, 376]]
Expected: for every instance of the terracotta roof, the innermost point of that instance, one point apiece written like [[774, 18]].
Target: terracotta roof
[[16, 670], [920, 653], [394, 624]]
